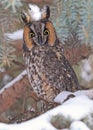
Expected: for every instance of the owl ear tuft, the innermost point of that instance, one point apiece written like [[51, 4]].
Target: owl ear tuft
[[25, 17], [45, 13]]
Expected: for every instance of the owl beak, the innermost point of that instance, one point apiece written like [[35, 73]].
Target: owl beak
[[40, 40]]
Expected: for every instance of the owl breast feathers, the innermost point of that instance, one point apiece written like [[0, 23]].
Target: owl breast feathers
[[49, 72]]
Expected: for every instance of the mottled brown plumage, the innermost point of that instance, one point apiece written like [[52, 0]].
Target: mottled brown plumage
[[48, 70]]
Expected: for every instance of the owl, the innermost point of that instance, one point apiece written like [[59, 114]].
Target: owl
[[49, 71]]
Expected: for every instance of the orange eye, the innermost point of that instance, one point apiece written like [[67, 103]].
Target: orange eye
[[32, 34], [46, 32]]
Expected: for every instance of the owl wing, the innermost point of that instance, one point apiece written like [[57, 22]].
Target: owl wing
[[69, 71], [59, 73]]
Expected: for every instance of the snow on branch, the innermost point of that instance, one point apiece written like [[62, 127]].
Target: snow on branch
[[65, 95], [19, 77]]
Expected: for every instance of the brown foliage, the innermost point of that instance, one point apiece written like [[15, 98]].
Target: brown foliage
[[76, 53]]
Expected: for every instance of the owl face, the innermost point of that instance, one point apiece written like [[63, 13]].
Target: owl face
[[38, 33]]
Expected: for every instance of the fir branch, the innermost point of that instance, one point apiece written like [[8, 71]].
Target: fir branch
[[6, 55], [74, 16]]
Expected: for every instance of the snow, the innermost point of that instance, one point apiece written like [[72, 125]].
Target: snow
[[75, 108], [2, 69], [78, 125], [86, 76], [87, 66], [15, 35], [86, 72], [88, 93], [82, 106], [60, 98], [35, 12], [6, 79]]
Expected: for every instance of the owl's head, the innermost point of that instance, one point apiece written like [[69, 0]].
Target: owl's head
[[38, 29]]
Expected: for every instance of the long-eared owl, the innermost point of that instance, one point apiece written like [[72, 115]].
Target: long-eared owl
[[49, 71]]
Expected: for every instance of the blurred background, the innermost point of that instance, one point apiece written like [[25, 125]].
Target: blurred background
[[73, 20]]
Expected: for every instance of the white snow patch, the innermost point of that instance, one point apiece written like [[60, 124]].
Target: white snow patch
[[6, 79], [77, 107], [2, 69], [62, 96], [86, 66], [35, 12], [15, 35], [78, 125], [86, 72], [65, 95], [88, 93], [86, 76]]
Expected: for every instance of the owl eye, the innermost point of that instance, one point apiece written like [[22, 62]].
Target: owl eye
[[32, 34], [46, 32]]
